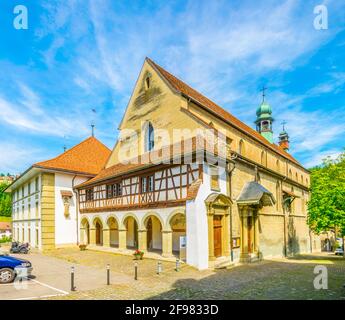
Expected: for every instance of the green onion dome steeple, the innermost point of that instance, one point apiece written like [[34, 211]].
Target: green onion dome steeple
[[264, 119]]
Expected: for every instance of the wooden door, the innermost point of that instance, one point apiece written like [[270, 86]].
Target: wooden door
[[217, 234], [250, 240]]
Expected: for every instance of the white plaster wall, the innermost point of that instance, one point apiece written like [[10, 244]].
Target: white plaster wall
[[196, 220], [65, 228]]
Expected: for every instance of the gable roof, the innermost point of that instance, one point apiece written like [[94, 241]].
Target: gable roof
[[87, 157], [184, 89]]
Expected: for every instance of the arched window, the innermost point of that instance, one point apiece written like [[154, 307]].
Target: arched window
[[301, 179], [149, 137], [263, 158], [290, 174], [278, 195], [296, 177], [241, 148], [278, 165]]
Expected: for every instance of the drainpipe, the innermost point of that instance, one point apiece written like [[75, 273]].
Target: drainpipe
[[76, 207], [229, 191]]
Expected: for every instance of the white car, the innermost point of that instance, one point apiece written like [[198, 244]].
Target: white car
[[339, 252]]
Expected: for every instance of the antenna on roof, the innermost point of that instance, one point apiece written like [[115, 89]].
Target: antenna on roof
[[93, 124], [64, 145]]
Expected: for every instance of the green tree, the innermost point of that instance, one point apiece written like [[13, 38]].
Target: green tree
[[5, 201], [326, 208]]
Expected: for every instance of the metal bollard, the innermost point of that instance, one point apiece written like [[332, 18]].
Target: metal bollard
[[136, 271], [72, 279], [159, 267], [177, 265], [108, 274]]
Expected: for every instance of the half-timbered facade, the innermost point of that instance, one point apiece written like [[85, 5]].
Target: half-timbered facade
[[248, 206]]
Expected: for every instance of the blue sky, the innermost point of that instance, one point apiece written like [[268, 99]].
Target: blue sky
[[79, 55]]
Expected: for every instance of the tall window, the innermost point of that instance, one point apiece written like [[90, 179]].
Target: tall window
[[278, 165], [29, 188], [149, 137], [263, 158], [36, 184], [278, 195]]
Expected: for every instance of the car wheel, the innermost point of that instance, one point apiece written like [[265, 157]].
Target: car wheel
[[6, 275]]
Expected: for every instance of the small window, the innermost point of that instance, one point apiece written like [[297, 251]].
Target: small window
[[147, 83], [89, 195], [143, 184], [263, 158], [214, 175], [150, 141], [117, 189], [109, 191], [147, 184], [278, 165], [29, 188]]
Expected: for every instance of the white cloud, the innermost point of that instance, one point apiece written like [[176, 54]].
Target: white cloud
[[317, 158]]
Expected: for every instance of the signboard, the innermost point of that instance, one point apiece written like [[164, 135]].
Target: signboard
[[183, 246]]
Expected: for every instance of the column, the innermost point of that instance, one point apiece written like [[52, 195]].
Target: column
[[256, 233], [226, 237], [142, 239], [122, 239], [106, 237], [167, 243], [210, 237], [92, 236], [244, 236]]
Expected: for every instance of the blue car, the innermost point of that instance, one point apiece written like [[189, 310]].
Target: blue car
[[11, 267]]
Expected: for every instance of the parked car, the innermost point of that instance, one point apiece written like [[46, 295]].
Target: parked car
[[11, 267], [339, 252]]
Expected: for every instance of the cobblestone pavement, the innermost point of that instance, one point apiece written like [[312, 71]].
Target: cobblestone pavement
[[271, 279]]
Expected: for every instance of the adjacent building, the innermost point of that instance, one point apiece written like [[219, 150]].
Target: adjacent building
[[168, 187], [45, 210]]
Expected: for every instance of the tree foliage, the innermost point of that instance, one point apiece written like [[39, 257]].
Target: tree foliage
[[5, 201], [327, 204]]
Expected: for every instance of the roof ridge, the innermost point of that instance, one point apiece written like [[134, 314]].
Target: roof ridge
[[249, 130]]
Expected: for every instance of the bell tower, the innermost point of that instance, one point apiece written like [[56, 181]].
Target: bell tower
[[284, 138], [264, 118]]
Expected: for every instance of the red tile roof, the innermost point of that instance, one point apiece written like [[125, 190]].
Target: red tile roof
[[87, 157], [209, 105]]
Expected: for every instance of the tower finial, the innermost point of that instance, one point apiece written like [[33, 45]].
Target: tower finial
[[263, 93], [283, 123], [93, 123]]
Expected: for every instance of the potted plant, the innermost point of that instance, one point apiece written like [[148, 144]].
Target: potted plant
[[138, 255], [82, 247]]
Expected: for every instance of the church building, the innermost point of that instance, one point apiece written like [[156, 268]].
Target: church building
[[172, 189]]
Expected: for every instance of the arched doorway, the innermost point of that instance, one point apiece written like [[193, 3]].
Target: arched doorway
[[154, 233], [98, 233], [84, 232], [113, 232], [131, 226], [178, 226]]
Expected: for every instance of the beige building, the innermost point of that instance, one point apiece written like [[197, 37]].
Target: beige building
[[44, 210], [249, 205]]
